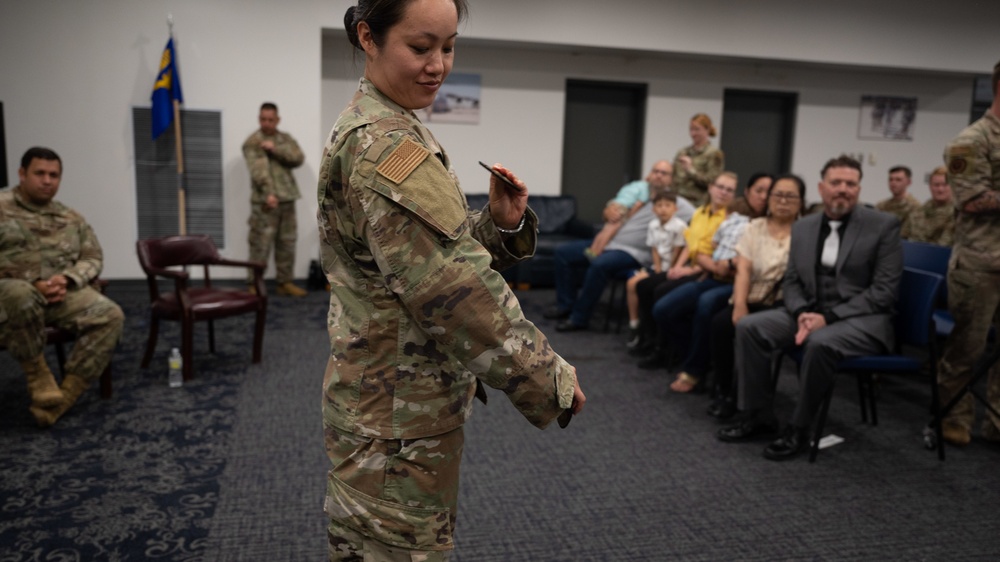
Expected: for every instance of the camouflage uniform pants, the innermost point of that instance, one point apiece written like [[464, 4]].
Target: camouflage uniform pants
[[273, 227], [94, 318], [391, 499], [974, 301]]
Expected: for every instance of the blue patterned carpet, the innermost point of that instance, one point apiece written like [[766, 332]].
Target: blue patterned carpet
[[231, 466], [136, 477]]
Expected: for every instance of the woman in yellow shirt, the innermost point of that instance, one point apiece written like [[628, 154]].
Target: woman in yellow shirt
[[704, 223]]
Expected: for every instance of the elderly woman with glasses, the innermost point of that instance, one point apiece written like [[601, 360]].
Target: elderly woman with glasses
[[762, 255]]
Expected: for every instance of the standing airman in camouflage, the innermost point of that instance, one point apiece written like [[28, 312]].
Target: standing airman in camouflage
[[49, 255], [419, 316], [696, 166], [973, 160], [901, 203], [934, 221], [271, 156]]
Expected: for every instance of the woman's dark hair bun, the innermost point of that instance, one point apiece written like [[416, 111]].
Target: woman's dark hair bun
[[351, 26]]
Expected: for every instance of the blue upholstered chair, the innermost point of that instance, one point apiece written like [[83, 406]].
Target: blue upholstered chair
[[933, 258], [915, 330]]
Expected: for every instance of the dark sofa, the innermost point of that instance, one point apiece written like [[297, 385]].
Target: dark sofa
[[557, 223]]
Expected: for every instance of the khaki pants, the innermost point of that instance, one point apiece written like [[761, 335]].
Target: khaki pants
[[391, 499], [94, 318], [974, 302], [275, 228]]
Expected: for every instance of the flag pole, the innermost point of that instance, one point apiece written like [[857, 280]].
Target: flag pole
[[181, 202], [181, 199]]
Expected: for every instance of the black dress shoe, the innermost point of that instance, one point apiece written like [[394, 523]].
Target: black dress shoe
[[569, 326], [555, 313], [722, 408], [746, 430], [656, 360], [643, 350], [791, 444]]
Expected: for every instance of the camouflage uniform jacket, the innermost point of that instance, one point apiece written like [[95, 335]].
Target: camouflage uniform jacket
[[39, 242], [272, 173], [901, 209], [707, 164], [932, 222], [973, 160], [418, 311]]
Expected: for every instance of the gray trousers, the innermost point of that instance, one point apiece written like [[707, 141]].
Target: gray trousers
[[761, 334]]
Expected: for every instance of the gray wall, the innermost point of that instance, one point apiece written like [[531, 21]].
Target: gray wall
[[72, 70]]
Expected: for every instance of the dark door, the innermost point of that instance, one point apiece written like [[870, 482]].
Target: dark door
[[602, 142], [757, 131], [3, 151]]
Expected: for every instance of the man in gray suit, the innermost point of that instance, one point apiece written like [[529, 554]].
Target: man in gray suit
[[840, 287]]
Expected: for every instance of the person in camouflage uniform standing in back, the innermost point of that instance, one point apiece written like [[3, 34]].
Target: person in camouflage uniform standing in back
[[973, 160], [419, 316], [49, 255], [271, 156], [696, 166], [934, 221], [901, 203]]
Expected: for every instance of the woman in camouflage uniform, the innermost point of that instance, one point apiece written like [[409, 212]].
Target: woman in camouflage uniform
[[419, 316], [697, 165]]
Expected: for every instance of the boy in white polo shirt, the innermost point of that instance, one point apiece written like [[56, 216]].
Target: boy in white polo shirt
[[665, 237]]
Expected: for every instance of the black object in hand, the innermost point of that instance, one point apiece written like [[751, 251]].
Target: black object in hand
[[499, 175], [565, 417]]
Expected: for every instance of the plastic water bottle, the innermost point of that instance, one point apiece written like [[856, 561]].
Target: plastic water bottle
[[176, 378]]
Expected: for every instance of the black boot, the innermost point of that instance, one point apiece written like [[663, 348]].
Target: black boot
[[722, 407], [656, 360], [644, 349]]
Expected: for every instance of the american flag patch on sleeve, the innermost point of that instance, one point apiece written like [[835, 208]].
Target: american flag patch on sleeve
[[402, 161]]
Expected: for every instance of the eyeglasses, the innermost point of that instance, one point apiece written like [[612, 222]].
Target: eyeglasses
[[723, 188], [785, 197]]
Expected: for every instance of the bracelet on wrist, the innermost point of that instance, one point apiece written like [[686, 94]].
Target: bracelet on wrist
[[514, 230]]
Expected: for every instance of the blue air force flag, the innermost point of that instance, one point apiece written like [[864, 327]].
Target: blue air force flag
[[166, 89]]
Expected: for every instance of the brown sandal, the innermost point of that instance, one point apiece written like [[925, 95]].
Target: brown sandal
[[684, 383]]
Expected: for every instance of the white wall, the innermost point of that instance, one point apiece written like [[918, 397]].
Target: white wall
[[72, 71], [523, 107], [906, 34]]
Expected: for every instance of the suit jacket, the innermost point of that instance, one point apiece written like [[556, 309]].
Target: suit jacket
[[869, 267]]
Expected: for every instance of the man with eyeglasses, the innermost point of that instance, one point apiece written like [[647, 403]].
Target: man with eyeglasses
[[582, 275], [840, 286]]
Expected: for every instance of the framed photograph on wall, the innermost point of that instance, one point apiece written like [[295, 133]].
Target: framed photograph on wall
[[457, 101], [887, 118]]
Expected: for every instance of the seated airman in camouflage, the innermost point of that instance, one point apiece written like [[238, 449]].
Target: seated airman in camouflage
[[49, 255], [934, 221], [901, 203]]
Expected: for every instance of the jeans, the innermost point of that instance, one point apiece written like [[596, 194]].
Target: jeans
[[573, 270], [684, 316]]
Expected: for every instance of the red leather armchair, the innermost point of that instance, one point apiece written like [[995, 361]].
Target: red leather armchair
[[187, 304]]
